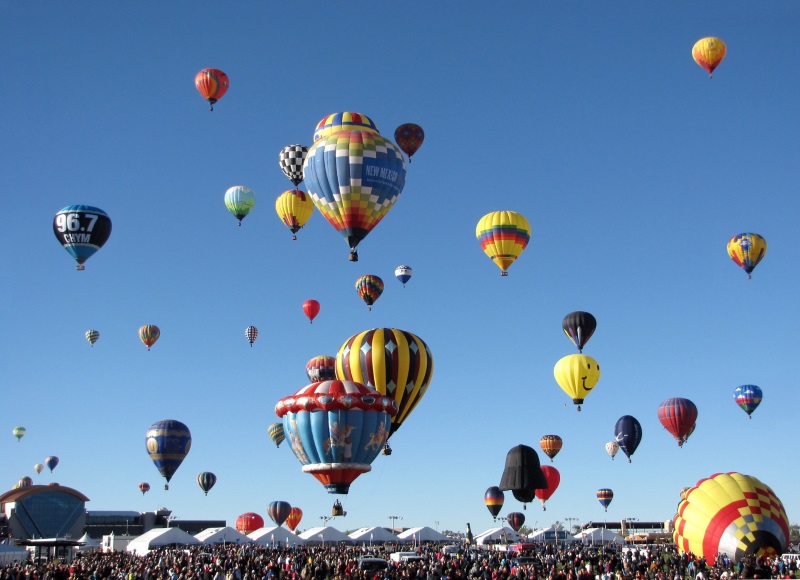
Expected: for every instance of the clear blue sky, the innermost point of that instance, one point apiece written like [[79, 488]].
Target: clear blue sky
[[589, 118]]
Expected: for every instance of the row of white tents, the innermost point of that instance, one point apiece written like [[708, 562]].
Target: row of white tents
[[506, 535]]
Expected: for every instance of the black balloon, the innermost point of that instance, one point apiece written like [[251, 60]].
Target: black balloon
[[579, 327], [523, 474]]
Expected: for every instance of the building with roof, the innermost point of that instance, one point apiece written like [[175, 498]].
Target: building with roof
[[44, 511]]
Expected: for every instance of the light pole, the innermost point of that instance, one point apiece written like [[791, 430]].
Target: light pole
[[569, 527], [630, 521], [325, 520], [437, 524], [393, 518]]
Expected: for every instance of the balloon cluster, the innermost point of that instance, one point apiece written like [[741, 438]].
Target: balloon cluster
[[577, 374]]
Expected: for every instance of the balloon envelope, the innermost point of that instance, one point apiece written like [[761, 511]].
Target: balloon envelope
[[409, 138], [494, 499], [92, 336], [51, 462], [19, 432], [149, 334], [612, 447], [251, 334], [212, 84], [604, 496], [577, 375], [38, 468], [294, 207], [346, 121], [82, 230], [503, 235], [678, 416], [522, 473], [708, 53], [403, 273], [249, 522], [321, 368], [291, 160], [295, 515], [515, 520], [748, 397], [168, 443], [579, 327], [551, 445], [240, 200], [278, 511], [276, 433], [553, 478], [747, 250], [144, 487], [311, 309], [628, 434], [369, 288], [206, 481]]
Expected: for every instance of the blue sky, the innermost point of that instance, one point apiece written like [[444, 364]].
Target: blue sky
[[591, 119]]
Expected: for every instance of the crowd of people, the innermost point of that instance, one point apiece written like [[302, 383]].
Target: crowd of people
[[255, 562]]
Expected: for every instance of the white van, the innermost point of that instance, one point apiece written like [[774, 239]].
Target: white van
[[404, 556]]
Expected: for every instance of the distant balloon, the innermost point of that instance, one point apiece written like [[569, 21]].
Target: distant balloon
[[311, 309], [276, 433], [240, 200], [577, 375], [409, 138], [19, 432], [321, 368], [628, 434], [612, 447], [494, 499], [403, 273], [144, 487], [25, 481], [295, 515], [249, 522], [747, 250], [678, 416], [212, 84], [92, 336], [551, 445], [38, 468], [82, 230], [515, 520], [523, 474], [604, 496], [369, 288], [278, 511], [149, 334], [206, 481], [553, 478], [168, 443], [291, 160], [748, 397], [51, 462], [503, 235], [708, 53], [294, 207], [251, 334], [579, 327]]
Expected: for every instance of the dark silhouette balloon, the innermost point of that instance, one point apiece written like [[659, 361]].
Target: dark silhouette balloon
[[409, 138], [628, 434], [494, 499], [206, 481], [523, 474], [579, 327], [278, 511], [515, 520]]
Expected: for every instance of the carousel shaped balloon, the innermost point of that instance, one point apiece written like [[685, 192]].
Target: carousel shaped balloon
[[82, 230], [321, 368], [168, 443], [291, 160], [336, 429]]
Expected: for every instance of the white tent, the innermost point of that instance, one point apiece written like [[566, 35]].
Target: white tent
[[325, 535], [599, 536], [9, 554], [89, 543], [156, 537], [374, 534], [550, 535], [275, 536], [504, 535], [423, 534], [227, 535]]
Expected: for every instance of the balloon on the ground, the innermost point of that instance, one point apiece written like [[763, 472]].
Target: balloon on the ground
[[82, 230], [336, 429], [149, 334], [311, 309], [212, 84], [747, 250], [295, 515], [206, 481], [628, 434], [733, 514], [294, 207], [748, 397], [51, 462], [240, 200], [369, 289], [522, 474], [604, 496], [678, 416], [612, 447], [291, 160], [579, 327], [249, 522], [708, 53], [92, 336], [321, 368], [503, 235], [515, 520], [19, 432], [403, 273], [553, 478], [144, 487], [276, 433], [251, 334], [168, 443], [551, 445], [394, 362], [577, 375], [409, 137], [494, 499], [278, 511]]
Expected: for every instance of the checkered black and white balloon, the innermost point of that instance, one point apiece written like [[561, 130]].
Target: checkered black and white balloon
[[291, 161]]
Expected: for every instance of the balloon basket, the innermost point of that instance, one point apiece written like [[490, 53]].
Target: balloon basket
[[80, 267]]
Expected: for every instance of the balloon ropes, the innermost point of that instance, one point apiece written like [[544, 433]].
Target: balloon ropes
[[82, 230]]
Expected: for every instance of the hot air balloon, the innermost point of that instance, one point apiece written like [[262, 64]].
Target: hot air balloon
[[25, 481], [369, 288], [747, 250], [251, 334], [612, 447], [553, 478], [276, 433], [494, 499], [82, 230], [628, 434], [51, 462], [522, 474], [409, 138], [149, 334], [577, 375], [355, 191], [278, 511], [551, 445], [579, 327], [503, 235], [321, 368], [168, 443], [291, 160], [678, 416], [206, 481], [708, 53], [294, 207], [604, 496], [733, 514], [92, 336], [311, 309], [249, 522], [748, 397], [336, 429], [19, 432], [295, 515], [212, 84], [240, 200], [144, 487], [394, 362], [403, 273], [38, 468], [515, 520]]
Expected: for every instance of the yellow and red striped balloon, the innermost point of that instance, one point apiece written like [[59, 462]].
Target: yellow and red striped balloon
[[503, 235]]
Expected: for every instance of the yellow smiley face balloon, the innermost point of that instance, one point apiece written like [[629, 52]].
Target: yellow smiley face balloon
[[577, 375]]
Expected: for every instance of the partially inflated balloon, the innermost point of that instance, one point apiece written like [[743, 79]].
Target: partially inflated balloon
[[311, 309], [278, 511], [577, 375], [82, 230], [295, 515], [494, 499], [409, 138], [579, 327], [251, 334], [748, 397], [240, 200], [369, 288], [276, 433], [92, 336], [294, 207], [553, 478], [747, 250], [212, 84], [678, 416], [149, 334], [515, 520], [291, 160], [168, 443], [708, 53], [503, 235], [733, 514], [604, 496], [628, 434], [551, 445], [206, 481], [321, 368]]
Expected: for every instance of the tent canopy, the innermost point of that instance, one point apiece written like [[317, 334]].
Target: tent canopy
[[276, 535], [423, 534], [373, 534], [226, 535], [502, 535], [9, 554], [156, 537], [599, 535], [325, 535]]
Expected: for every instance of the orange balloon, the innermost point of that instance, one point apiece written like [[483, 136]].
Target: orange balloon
[[212, 84]]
